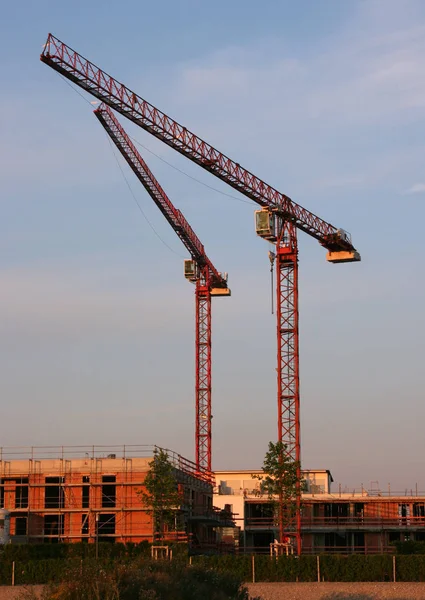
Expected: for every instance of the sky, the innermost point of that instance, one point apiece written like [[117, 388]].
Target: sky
[[324, 101]]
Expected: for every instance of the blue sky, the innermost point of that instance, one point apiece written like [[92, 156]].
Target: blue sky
[[325, 101]]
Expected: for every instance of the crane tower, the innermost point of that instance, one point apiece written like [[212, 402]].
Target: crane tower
[[198, 270], [278, 221]]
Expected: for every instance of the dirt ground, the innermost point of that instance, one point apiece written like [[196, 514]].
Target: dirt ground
[[305, 591], [7, 592], [336, 591]]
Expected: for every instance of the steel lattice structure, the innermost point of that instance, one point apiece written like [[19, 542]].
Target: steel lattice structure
[[288, 373], [203, 373], [289, 217], [209, 282]]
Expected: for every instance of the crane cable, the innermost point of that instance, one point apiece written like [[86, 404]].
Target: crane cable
[[272, 257], [190, 176], [214, 189], [138, 204], [127, 182]]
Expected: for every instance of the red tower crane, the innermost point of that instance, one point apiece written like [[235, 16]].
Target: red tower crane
[[199, 270], [277, 221]]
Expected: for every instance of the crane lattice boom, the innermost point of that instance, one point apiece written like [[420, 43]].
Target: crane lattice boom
[[209, 282], [154, 189], [88, 76], [277, 221]]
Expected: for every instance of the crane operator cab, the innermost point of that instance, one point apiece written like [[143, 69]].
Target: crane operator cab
[[265, 224], [191, 270]]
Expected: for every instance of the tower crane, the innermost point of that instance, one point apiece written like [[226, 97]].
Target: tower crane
[[198, 270], [277, 221]]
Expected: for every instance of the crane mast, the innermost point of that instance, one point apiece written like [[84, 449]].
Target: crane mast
[[277, 221], [200, 270]]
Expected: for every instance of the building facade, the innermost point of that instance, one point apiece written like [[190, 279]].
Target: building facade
[[83, 494], [89, 494], [363, 521]]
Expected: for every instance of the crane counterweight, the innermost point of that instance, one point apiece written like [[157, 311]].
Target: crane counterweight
[[217, 292], [343, 256]]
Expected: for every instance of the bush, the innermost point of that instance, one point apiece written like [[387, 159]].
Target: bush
[[25, 552], [229, 568], [410, 568], [356, 567], [333, 567], [240, 566], [44, 561], [147, 581], [410, 547]]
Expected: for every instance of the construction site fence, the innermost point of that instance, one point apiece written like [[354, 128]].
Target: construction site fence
[[319, 567], [255, 568]]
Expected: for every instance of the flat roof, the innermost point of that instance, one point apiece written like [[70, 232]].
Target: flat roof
[[255, 471]]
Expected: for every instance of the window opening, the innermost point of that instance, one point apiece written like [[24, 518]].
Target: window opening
[[108, 491], [54, 496]]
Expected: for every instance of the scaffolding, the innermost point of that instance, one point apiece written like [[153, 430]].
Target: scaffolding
[[90, 493]]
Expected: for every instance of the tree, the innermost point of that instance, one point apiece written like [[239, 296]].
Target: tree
[[161, 495], [282, 482]]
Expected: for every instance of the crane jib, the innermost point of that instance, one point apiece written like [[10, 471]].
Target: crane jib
[[85, 74], [200, 271], [277, 222], [174, 216]]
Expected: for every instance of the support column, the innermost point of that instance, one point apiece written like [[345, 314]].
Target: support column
[[288, 388], [203, 375]]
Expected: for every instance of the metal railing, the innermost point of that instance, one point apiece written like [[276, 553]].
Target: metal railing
[[118, 453], [315, 550], [352, 522]]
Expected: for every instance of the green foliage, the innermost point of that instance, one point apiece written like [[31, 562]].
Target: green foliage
[[131, 571], [240, 566], [147, 581], [279, 474], [161, 495], [280, 481], [410, 568], [333, 567], [410, 547], [269, 569], [23, 553], [36, 571], [356, 567], [292, 568]]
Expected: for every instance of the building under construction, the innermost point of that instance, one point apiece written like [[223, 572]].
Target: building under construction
[[350, 521], [92, 494], [278, 221], [79, 493]]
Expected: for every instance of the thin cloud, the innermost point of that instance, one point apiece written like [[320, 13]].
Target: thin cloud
[[359, 83], [77, 302], [340, 182], [417, 188], [333, 124]]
